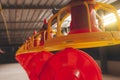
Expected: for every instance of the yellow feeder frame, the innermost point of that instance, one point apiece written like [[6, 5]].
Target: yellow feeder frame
[[80, 40]]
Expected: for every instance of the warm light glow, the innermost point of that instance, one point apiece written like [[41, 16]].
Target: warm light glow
[[110, 18], [118, 12]]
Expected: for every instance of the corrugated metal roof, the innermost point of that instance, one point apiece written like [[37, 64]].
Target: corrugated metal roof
[[25, 16], [22, 22]]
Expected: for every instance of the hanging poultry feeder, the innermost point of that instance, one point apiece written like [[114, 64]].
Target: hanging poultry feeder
[[69, 64]]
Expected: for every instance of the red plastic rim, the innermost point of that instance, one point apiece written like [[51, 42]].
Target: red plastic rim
[[33, 62], [71, 64]]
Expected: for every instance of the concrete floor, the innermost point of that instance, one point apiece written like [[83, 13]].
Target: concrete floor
[[15, 72]]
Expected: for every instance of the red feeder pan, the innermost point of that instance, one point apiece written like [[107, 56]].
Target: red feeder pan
[[33, 62], [71, 64]]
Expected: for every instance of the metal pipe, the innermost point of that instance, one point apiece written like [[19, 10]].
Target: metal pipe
[[6, 27]]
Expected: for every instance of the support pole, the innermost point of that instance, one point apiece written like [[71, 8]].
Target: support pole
[[103, 59]]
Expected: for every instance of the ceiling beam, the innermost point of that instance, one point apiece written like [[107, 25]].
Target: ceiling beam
[[21, 21], [11, 45], [6, 6], [16, 30], [30, 6]]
